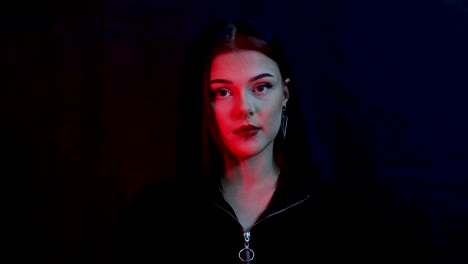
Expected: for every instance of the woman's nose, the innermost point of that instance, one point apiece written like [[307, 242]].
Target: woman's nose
[[245, 108]]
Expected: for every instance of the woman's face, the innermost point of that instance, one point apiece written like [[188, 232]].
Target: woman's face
[[247, 93]]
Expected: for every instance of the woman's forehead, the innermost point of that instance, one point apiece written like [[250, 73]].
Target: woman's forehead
[[242, 64]]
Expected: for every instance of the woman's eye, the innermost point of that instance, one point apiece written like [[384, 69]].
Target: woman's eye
[[262, 88], [221, 93]]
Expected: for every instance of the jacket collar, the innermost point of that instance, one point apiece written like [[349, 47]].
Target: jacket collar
[[285, 196]]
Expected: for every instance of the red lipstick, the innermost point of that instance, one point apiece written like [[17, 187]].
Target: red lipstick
[[247, 131]]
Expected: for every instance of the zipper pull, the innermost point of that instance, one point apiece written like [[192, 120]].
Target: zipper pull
[[246, 254]]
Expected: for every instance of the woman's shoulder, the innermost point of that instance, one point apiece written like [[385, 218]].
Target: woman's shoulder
[[166, 191], [373, 215]]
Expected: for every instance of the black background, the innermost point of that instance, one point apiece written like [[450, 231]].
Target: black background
[[92, 108]]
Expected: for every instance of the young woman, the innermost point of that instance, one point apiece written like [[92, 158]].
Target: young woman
[[256, 198]]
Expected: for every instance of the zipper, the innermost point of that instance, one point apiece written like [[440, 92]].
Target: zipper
[[246, 254]]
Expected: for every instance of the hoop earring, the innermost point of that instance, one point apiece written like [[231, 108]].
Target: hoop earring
[[284, 122]]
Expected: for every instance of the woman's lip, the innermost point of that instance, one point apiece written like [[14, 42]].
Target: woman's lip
[[246, 128], [247, 133]]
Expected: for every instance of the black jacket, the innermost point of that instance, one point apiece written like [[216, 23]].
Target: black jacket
[[170, 222]]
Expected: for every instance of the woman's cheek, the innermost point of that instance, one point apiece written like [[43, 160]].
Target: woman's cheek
[[221, 121]]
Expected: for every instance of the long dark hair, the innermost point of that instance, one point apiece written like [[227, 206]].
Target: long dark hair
[[290, 153]]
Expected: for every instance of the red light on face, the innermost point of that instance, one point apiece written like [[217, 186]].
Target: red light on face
[[246, 96]]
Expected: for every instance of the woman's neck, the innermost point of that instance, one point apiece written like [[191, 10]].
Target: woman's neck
[[255, 171]]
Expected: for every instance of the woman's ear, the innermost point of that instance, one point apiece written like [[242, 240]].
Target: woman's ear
[[285, 91]]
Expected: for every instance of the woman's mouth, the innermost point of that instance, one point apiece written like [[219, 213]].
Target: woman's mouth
[[247, 131]]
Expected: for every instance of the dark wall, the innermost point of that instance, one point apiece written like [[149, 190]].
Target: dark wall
[[92, 104]]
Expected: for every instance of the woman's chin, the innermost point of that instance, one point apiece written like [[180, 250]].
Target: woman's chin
[[245, 152]]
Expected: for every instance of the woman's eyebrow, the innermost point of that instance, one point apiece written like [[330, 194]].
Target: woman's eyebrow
[[220, 81], [260, 76], [223, 81]]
